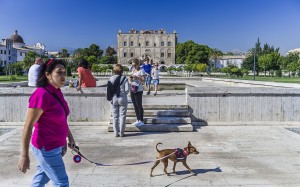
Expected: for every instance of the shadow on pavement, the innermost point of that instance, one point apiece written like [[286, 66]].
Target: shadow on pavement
[[196, 171]]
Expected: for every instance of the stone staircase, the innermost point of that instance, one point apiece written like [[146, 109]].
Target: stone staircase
[[159, 118]]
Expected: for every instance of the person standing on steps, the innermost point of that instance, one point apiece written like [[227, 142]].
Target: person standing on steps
[[147, 68], [155, 75], [136, 91], [119, 102]]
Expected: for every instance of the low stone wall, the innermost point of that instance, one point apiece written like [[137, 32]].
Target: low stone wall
[[233, 105], [93, 108]]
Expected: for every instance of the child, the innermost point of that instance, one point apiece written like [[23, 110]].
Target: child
[[155, 75]]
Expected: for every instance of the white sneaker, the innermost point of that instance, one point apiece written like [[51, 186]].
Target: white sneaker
[[137, 121], [139, 124]]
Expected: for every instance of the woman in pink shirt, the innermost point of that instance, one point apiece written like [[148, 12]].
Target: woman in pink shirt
[[47, 113]]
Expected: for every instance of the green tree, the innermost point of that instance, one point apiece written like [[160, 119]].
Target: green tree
[[289, 62], [64, 53], [110, 51], [191, 53], [265, 61], [216, 55], [29, 59], [92, 60], [94, 50]]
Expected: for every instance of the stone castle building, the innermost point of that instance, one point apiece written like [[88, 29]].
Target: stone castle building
[[157, 45]]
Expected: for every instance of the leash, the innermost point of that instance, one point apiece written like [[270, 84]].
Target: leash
[[77, 159]]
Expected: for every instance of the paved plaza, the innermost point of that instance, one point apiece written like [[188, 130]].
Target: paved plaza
[[229, 156]]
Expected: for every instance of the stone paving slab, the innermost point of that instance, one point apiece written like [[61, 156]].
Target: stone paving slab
[[229, 156]]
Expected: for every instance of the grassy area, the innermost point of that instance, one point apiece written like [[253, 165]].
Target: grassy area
[[4, 78]]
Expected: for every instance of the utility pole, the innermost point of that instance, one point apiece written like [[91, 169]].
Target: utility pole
[[254, 64]]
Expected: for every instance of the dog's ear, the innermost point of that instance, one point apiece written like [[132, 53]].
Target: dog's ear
[[189, 144]]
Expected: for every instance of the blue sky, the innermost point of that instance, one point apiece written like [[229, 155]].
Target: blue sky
[[222, 24]]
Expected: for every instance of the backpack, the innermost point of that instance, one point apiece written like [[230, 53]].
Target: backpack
[[114, 88]]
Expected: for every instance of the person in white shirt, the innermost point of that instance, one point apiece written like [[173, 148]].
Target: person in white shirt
[[155, 76], [136, 80], [33, 72]]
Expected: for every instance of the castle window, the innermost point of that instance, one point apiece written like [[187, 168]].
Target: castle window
[[154, 44], [169, 43], [169, 55], [5, 52], [20, 54], [8, 52], [131, 54], [139, 44], [147, 43], [125, 54], [1, 52], [162, 55], [131, 43], [162, 43], [125, 43]]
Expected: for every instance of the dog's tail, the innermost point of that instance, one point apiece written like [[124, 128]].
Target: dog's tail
[[156, 147]]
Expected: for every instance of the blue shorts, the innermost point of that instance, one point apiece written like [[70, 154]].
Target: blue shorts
[[155, 82], [148, 80]]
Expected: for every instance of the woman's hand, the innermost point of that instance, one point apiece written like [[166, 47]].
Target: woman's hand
[[24, 163], [78, 88], [71, 143]]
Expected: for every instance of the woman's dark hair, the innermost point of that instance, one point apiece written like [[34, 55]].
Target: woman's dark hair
[[84, 63], [48, 67]]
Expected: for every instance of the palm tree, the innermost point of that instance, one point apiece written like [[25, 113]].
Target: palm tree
[[216, 55]]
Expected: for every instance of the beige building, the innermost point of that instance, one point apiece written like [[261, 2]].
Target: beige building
[[157, 45]]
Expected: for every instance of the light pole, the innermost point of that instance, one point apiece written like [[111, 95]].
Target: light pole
[[254, 65]]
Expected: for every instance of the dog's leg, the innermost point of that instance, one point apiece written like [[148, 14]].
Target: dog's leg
[[165, 161], [174, 166], [156, 163], [187, 167]]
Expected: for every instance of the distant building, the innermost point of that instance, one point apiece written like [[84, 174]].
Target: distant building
[[234, 60], [13, 49], [297, 50], [157, 45]]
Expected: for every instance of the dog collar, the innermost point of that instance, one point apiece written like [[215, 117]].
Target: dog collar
[[185, 152]]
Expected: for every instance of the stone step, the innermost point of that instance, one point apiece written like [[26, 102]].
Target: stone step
[[161, 113], [160, 107], [159, 120], [157, 128]]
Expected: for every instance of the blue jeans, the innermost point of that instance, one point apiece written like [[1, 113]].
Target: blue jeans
[[51, 167], [148, 80]]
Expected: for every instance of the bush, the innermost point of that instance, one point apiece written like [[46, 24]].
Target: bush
[[278, 73], [12, 78], [69, 72], [19, 73]]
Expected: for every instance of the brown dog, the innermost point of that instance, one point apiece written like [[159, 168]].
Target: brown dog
[[175, 155]]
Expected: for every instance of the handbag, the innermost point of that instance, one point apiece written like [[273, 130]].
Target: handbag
[[133, 88]]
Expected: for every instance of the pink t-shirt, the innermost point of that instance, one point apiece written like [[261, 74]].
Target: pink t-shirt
[[51, 129]]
